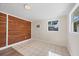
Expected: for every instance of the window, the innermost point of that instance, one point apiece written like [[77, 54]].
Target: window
[[53, 25], [75, 21]]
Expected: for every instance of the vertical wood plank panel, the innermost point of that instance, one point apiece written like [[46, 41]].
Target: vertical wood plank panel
[[18, 30], [2, 29]]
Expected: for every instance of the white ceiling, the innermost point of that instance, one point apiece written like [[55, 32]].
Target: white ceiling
[[39, 11]]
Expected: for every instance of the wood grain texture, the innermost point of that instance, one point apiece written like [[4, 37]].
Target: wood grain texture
[[2, 29], [18, 30]]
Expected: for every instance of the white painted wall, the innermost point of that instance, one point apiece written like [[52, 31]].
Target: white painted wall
[[54, 37], [74, 44], [78, 28], [73, 38]]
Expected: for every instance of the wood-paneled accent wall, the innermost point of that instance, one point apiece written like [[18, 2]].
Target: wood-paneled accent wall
[[2, 29], [18, 30]]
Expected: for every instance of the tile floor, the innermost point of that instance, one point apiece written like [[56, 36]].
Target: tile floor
[[9, 52], [39, 48]]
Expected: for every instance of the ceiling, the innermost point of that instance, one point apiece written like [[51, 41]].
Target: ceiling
[[39, 11]]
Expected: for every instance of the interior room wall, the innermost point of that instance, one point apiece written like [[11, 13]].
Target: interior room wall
[[73, 37], [74, 44], [78, 28], [53, 37]]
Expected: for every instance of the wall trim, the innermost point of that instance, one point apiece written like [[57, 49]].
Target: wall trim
[[2, 48], [6, 30], [15, 16]]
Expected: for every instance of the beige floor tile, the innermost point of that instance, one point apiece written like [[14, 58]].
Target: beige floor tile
[[39, 48]]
